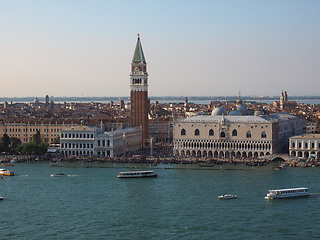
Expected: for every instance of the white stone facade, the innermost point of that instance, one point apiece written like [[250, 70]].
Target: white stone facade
[[89, 141], [305, 146]]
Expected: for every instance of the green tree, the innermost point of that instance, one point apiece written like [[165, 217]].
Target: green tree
[[36, 138], [5, 141], [14, 143]]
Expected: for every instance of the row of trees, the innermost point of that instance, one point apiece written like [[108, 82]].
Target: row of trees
[[13, 145]]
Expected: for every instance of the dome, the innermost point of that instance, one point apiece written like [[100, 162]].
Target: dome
[[243, 109], [235, 113], [219, 111]]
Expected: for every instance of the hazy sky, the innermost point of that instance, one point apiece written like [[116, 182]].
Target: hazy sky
[[193, 48]]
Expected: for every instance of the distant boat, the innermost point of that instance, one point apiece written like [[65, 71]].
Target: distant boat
[[137, 174], [227, 196], [7, 164], [57, 175], [1, 198], [288, 193]]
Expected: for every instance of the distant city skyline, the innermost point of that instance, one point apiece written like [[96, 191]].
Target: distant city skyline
[[193, 48]]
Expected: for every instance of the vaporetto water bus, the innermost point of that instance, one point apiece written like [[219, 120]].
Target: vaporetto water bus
[[5, 172], [288, 193], [137, 174]]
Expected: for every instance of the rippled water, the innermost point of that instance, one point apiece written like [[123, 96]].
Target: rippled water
[[92, 203]]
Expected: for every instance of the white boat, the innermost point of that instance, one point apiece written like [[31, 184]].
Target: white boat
[[288, 193], [227, 196], [137, 174], [1, 198], [57, 175]]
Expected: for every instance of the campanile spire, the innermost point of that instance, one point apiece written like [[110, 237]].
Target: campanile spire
[[139, 91]]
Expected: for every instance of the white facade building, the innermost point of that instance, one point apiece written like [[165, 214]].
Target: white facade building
[[305, 146], [84, 140]]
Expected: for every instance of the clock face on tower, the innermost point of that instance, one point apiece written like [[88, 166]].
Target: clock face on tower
[[136, 69]]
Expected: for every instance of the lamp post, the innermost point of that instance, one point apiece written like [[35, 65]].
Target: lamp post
[[124, 143], [151, 146]]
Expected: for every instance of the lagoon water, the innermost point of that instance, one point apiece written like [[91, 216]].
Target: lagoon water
[[182, 203]]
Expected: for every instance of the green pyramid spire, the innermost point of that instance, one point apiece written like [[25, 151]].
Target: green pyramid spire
[[138, 56]]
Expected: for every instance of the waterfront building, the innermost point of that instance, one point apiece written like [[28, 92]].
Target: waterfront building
[[238, 136], [305, 146], [84, 140], [49, 132], [139, 92]]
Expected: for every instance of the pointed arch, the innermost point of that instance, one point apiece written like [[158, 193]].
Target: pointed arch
[[183, 132], [211, 132], [197, 132], [234, 133], [248, 134]]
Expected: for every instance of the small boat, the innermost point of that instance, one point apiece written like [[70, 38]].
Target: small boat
[[5, 172], [278, 168], [137, 174], [7, 164], [1, 198], [227, 196], [57, 175], [287, 193]]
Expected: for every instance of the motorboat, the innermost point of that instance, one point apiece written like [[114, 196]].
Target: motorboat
[[1, 198], [227, 196], [57, 175], [7, 164], [137, 174], [288, 193], [6, 172]]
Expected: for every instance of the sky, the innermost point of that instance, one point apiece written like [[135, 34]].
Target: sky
[[193, 48]]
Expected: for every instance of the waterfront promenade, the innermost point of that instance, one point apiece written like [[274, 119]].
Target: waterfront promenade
[[286, 161]]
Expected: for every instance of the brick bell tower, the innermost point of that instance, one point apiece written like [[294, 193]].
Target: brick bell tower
[[139, 92]]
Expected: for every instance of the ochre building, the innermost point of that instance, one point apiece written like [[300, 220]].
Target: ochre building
[[49, 132]]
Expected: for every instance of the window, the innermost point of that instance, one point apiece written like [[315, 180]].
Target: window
[[183, 132], [263, 135], [223, 134], [234, 133], [293, 145], [196, 132], [211, 132], [248, 135], [306, 145]]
